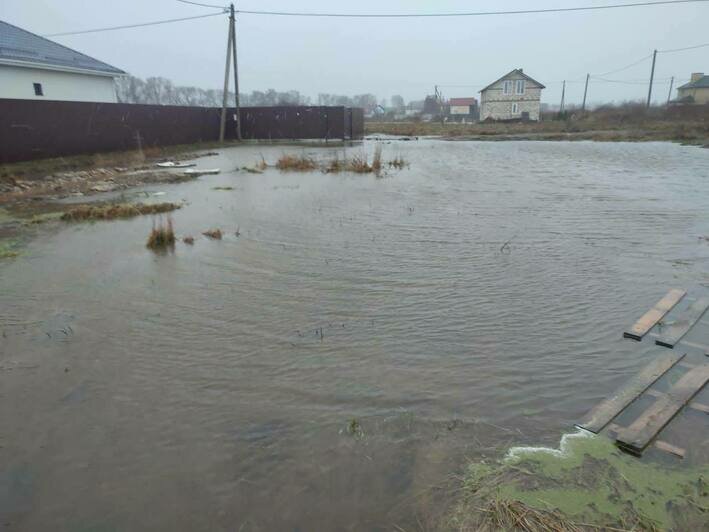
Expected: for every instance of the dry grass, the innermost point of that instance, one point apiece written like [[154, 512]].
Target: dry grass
[[357, 163], [113, 211], [513, 515], [162, 236], [214, 234], [296, 163], [626, 122], [397, 162]]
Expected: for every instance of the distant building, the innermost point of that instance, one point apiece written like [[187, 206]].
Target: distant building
[[696, 91], [32, 67], [463, 109], [515, 96]]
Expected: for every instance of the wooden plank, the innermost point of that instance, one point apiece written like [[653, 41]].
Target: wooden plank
[[655, 314], [677, 329], [669, 448], [614, 429], [641, 432], [606, 410], [694, 405]]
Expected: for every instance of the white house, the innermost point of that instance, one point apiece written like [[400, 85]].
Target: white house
[[515, 96], [32, 67]]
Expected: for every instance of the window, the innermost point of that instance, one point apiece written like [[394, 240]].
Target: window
[[507, 87], [519, 86], [515, 108], [38, 89]]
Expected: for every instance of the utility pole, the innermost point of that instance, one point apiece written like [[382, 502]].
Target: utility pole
[[236, 71], [563, 97], [669, 95], [585, 93], [652, 78], [230, 56]]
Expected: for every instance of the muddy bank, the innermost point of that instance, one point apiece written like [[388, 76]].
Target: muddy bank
[[85, 175]]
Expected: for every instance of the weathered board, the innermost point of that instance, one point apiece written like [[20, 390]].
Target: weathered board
[[613, 430], [641, 432], [674, 332], [606, 410], [655, 314], [694, 405]]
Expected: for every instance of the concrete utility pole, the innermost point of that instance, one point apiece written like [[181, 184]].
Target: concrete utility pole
[[232, 20], [585, 93], [669, 95], [563, 97], [230, 55], [652, 78]]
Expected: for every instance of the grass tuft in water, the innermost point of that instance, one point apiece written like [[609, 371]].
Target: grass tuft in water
[[189, 240], [162, 236], [214, 234], [296, 163], [113, 211]]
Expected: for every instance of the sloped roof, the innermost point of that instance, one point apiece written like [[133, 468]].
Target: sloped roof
[[22, 46], [519, 72], [701, 83], [462, 101]]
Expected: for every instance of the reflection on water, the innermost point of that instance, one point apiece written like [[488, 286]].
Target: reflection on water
[[213, 388]]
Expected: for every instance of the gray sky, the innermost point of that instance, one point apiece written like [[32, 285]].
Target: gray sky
[[385, 56]]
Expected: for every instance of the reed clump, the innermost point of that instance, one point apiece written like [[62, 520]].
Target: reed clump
[[113, 211], [296, 163], [162, 236], [214, 234]]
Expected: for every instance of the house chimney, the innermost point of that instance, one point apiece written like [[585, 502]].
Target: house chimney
[[696, 76]]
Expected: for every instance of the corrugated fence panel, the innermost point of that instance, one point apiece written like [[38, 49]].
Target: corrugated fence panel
[[32, 129]]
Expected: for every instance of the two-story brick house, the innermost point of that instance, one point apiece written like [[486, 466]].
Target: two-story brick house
[[515, 96]]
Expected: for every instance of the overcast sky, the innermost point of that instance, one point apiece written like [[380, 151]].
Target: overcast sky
[[385, 56]]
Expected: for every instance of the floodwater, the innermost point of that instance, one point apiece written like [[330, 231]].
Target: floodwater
[[215, 388]]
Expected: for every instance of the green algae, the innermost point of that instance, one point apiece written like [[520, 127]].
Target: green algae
[[590, 481]]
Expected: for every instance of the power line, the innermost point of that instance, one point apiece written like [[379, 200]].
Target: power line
[[466, 14], [154, 23], [202, 5], [624, 68], [683, 49]]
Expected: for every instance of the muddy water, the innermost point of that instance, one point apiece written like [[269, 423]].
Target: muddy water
[[215, 387]]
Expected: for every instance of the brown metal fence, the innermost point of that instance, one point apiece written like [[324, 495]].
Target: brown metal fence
[[34, 129]]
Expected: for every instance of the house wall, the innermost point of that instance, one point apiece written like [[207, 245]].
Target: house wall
[[460, 109], [701, 96], [498, 106], [17, 83]]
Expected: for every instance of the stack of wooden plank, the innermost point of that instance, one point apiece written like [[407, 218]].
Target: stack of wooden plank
[[643, 431]]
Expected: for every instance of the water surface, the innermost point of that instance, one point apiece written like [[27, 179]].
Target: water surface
[[213, 387]]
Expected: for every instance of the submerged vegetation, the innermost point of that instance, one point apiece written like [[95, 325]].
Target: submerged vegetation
[[296, 163], [162, 236], [113, 211], [586, 484], [357, 163], [214, 234], [7, 249]]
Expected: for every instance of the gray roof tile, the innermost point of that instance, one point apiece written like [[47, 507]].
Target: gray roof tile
[[17, 44], [701, 83]]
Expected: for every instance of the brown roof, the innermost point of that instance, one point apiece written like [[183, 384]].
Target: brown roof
[[462, 101]]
